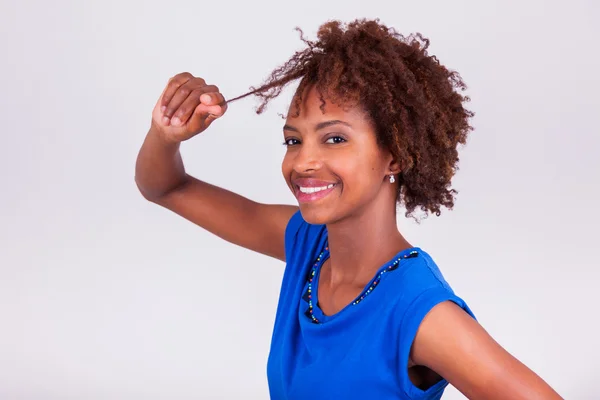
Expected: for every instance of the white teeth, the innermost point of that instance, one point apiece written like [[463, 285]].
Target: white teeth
[[315, 189]]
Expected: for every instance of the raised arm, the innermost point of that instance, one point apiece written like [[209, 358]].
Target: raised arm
[[186, 108]]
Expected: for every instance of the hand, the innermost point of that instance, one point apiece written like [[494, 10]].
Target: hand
[[187, 107]]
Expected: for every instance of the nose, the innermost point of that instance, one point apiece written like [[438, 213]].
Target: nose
[[307, 159]]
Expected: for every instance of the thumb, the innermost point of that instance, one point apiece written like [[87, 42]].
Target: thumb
[[210, 118], [215, 103], [204, 115], [205, 110]]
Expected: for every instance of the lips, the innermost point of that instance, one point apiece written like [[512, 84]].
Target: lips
[[308, 189]]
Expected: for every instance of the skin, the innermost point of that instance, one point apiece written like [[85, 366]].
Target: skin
[[161, 177], [360, 210], [360, 214]]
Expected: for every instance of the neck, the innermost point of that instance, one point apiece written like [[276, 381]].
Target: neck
[[360, 244]]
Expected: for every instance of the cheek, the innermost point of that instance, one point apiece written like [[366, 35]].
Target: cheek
[[286, 168], [360, 173]]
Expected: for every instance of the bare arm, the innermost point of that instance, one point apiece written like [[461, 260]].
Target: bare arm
[[162, 179], [455, 346]]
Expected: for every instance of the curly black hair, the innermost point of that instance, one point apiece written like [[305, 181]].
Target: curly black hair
[[413, 100]]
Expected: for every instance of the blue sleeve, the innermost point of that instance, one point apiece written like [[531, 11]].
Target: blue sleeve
[[303, 239], [432, 291], [291, 233]]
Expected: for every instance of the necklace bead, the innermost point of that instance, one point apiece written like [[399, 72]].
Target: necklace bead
[[308, 295]]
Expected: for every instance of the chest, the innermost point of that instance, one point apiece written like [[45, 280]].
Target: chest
[[303, 366], [353, 354], [333, 298]]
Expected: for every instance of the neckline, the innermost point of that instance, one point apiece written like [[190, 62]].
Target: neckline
[[314, 312]]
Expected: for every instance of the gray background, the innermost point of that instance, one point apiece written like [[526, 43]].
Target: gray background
[[106, 296]]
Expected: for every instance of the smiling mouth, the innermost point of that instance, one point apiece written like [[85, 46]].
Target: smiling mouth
[[308, 190], [306, 194]]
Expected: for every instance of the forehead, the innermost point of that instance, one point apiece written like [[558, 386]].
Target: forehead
[[312, 110]]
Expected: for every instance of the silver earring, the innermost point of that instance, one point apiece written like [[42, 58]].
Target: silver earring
[[392, 179]]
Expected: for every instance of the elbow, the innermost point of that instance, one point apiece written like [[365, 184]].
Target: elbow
[[146, 194], [154, 195]]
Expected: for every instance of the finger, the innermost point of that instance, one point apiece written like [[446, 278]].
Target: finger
[[186, 109], [174, 84], [215, 103], [204, 115], [156, 112], [179, 97], [217, 110], [213, 98]]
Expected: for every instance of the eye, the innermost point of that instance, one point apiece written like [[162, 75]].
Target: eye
[[291, 142], [335, 140]]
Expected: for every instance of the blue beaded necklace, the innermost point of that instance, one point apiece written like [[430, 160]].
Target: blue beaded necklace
[[308, 295]]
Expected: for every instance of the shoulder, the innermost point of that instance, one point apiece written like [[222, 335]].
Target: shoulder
[[421, 288]]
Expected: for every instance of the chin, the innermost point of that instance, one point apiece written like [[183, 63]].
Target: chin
[[315, 215]]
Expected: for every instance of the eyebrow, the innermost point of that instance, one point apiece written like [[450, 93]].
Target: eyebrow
[[319, 126]]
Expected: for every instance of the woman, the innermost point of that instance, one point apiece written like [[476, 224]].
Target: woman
[[363, 313]]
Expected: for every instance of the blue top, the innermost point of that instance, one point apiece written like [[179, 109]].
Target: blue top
[[362, 351]]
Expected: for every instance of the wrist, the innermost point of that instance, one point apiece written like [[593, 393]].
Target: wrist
[[159, 134]]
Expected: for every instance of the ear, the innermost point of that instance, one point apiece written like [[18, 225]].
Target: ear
[[394, 167]]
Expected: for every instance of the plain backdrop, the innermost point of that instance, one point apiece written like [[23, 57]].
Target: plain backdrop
[[106, 296]]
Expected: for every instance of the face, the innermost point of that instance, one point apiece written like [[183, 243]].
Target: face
[[333, 163]]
